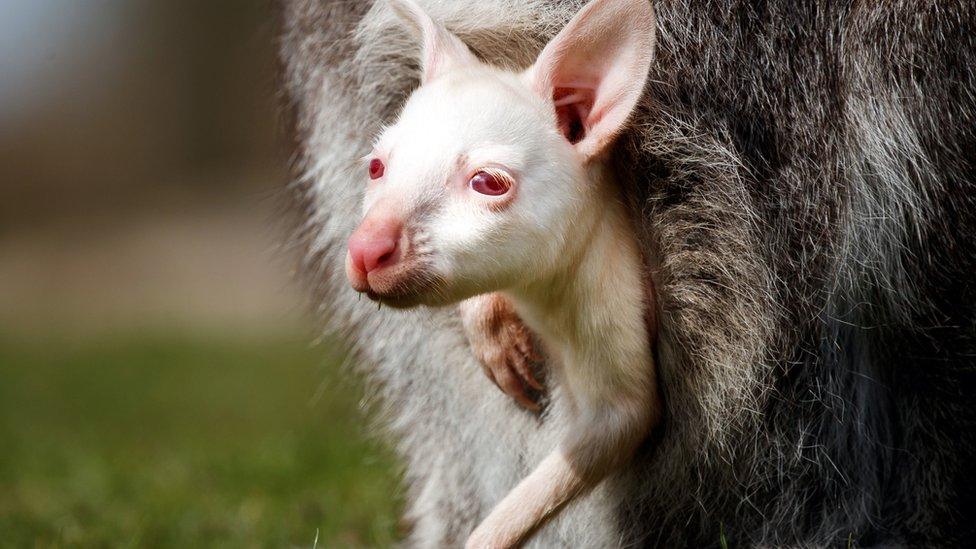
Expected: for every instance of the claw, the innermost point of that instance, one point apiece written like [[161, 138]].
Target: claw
[[524, 370], [513, 387]]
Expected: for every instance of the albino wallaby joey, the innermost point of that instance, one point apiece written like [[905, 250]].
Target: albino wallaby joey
[[493, 184]]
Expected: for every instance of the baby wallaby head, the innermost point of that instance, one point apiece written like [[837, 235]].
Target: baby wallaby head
[[480, 182]]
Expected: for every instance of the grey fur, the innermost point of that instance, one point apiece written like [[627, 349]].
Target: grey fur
[[804, 177]]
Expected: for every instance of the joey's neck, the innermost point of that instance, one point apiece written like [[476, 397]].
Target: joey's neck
[[601, 255]]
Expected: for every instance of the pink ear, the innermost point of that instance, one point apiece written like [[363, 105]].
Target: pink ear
[[594, 70], [441, 50]]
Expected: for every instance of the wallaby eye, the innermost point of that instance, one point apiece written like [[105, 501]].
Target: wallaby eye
[[489, 183], [376, 168]]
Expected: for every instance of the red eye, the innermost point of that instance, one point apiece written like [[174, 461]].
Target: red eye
[[489, 183], [376, 168]]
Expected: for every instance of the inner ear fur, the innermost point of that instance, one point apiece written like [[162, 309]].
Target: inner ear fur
[[595, 69]]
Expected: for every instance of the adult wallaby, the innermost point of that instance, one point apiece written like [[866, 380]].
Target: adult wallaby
[[802, 176], [496, 181]]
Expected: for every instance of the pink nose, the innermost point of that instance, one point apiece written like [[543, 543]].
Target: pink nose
[[375, 245]]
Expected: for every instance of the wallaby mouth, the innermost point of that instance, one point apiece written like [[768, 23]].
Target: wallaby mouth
[[395, 302], [410, 282]]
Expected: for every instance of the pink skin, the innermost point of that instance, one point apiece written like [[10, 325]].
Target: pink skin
[[374, 246]]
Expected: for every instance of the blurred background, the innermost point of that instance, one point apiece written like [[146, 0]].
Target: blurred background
[[158, 386]]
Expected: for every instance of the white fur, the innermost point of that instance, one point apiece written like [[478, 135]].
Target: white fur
[[559, 245]]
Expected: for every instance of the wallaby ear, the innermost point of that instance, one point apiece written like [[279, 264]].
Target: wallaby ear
[[594, 70], [440, 48]]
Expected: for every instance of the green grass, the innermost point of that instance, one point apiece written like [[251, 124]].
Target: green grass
[[176, 441]]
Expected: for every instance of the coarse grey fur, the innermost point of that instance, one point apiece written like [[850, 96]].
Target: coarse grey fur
[[803, 175]]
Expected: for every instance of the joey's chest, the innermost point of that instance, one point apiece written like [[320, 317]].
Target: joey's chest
[[555, 332]]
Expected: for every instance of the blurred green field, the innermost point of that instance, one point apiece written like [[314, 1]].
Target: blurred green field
[[172, 440]]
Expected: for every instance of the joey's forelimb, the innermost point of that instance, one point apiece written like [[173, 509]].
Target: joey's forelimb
[[504, 347]]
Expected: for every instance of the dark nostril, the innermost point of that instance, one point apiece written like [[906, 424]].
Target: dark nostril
[[379, 253]]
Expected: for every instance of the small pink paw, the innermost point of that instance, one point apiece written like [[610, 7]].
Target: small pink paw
[[505, 348]]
